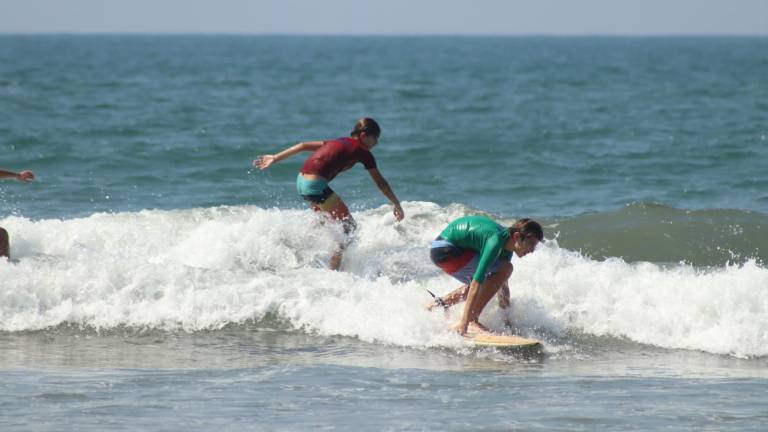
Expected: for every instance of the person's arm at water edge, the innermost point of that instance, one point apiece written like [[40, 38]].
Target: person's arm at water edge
[[24, 176], [383, 186]]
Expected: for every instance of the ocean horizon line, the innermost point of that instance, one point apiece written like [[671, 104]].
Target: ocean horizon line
[[392, 35]]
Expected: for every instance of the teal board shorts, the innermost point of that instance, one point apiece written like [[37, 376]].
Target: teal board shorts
[[315, 191]]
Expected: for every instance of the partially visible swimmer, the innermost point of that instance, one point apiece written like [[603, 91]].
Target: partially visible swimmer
[[24, 176], [327, 160], [477, 251]]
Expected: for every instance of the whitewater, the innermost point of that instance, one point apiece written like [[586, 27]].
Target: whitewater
[[206, 268]]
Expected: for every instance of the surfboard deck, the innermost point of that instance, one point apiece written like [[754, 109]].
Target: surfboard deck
[[501, 341]]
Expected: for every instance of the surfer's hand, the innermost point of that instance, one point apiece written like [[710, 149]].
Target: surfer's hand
[[460, 328], [399, 213], [264, 161], [25, 176]]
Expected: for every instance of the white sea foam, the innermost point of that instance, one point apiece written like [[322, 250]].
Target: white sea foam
[[206, 268]]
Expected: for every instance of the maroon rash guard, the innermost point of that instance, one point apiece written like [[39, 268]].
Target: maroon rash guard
[[337, 155]]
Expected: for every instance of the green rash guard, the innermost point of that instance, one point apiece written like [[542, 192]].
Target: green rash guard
[[481, 234]]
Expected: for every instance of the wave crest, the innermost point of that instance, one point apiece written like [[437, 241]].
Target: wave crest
[[205, 269]]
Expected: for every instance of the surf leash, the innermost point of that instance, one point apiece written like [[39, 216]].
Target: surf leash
[[438, 300]]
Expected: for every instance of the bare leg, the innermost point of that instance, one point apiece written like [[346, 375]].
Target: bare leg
[[335, 209], [456, 296], [335, 262], [450, 299], [5, 248]]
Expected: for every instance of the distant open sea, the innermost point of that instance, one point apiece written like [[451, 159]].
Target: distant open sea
[[159, 283]]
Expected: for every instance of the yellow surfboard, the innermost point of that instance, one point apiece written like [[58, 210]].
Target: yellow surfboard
[[501, 341]]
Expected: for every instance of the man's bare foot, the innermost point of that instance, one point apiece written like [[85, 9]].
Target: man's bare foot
[[477, 328], [456, 328], [474, 328]]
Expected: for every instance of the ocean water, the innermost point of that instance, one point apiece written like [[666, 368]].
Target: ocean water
[[160, 283]]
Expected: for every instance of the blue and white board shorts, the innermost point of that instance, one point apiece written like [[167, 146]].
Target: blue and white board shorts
[[458, 262]]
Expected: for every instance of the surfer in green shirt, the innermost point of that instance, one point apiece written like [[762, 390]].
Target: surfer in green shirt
[[24, 176], [477, 251]]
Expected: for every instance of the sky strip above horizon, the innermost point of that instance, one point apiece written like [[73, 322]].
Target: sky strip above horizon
[[392, 17]]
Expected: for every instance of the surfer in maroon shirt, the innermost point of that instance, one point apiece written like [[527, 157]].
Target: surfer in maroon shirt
[[328, 159]]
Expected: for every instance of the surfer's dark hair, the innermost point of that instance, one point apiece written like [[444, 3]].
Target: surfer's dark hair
[[367, 125], [527, 228]]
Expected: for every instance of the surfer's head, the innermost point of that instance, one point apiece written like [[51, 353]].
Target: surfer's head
[[367, 131], [524, 235]]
